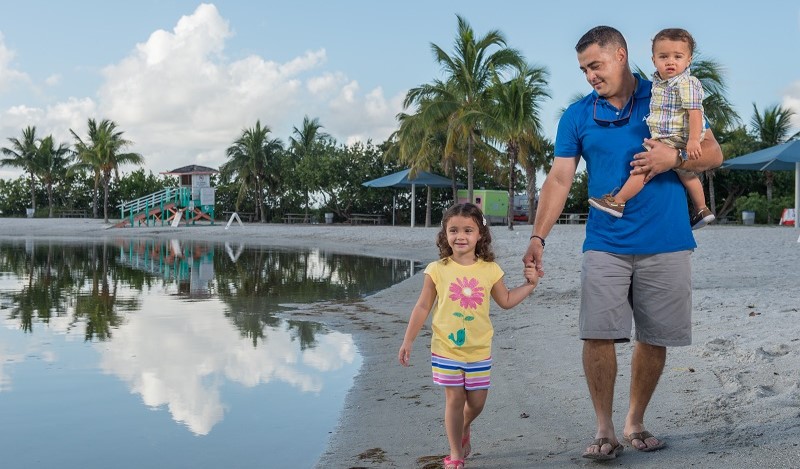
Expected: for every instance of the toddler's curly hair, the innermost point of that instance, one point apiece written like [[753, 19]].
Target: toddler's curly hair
[[483, 249]]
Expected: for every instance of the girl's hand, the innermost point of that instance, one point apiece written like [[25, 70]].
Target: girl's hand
[[404, 355], [531, 274]]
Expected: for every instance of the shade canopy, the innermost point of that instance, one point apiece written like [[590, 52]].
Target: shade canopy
[[402, 179], [783, 157]]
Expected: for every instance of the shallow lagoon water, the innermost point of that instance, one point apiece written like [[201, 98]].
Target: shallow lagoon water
[[152, 353]]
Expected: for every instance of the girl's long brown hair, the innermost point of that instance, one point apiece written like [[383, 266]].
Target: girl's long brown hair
[[483, 249]]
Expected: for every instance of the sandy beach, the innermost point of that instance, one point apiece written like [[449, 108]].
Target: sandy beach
[[730, 400]]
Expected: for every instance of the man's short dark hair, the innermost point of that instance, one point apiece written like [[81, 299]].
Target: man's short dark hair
[[602, 36], [676, 34]]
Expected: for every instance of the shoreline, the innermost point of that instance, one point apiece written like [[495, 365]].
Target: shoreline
[[732, 399]]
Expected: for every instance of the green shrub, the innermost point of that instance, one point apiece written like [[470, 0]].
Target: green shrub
[[755, 202]]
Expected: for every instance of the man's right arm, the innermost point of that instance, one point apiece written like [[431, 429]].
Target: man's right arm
[[552, 198], [662, 158]]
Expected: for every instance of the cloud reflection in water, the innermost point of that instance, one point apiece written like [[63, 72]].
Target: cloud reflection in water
[[181, 358]]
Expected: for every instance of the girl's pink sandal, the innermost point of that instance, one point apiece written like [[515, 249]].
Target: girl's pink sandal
[[453, 463]]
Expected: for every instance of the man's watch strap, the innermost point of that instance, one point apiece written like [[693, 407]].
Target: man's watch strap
[[681, 158], [541, 240]]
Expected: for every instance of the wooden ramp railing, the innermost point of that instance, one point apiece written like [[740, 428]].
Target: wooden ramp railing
[[159, 207]]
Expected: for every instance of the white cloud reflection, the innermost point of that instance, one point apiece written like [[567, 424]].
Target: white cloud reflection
[[7, 357], [182, 358]]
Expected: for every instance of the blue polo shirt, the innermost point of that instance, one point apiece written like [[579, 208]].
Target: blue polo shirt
[[656, 220]]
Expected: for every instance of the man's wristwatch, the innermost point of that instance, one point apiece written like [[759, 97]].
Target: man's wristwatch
[[681, 156], [541, 240]]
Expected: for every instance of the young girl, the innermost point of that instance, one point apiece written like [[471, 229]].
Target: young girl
[[461, 346]]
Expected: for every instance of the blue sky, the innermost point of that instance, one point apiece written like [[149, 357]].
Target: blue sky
[[183, 78]]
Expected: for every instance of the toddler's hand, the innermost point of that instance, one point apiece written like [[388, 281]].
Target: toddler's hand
[[404, 355], [531, 274], [693, 150]]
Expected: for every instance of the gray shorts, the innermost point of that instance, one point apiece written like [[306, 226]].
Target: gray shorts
[[653, 291]]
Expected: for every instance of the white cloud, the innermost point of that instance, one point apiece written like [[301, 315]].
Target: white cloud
[[182, 101], [8, 75], [53, 80], [326, 84], [791, 100]]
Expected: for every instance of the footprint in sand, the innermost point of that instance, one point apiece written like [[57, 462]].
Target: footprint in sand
[[774, 350], [719, 344]]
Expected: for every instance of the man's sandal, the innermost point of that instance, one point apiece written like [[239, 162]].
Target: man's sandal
[[642, 436], [453, 463], [616, 450]]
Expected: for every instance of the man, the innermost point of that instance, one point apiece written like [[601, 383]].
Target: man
[[636, 269]]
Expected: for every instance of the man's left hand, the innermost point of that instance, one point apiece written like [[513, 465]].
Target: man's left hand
[[659, 159]]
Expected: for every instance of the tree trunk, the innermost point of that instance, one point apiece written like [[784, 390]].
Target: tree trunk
[[106, 183], [531, 173], [33, 193], [470, 168], [428, 205], [306, 203], [50, 199], [95, 195], [730, 200], [259, 209], [512, 180], [769, 176]]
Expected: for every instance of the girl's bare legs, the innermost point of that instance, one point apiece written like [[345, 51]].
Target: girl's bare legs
[[454, 410], [472, 409]]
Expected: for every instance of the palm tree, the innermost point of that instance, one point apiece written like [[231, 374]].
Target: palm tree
[[22, 154], [252, 160], [102, 154], [716, 107], [538, 157], [772, 128], [51, 165], [463, 96], [513, 119], [88, 160], [420, 144], [303, 143]]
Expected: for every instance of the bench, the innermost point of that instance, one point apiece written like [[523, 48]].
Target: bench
[[72, 214], [573, 218], [356, 218], [297, 218], [243, 216]]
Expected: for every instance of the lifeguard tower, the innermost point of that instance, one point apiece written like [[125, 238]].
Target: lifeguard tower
[[189, 264], [192, 201]]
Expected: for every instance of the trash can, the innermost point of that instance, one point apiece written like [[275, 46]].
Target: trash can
[[328, 218], [748, 218], [29, 212]]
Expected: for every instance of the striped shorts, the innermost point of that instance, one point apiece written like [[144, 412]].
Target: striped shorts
[[472, 376]]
